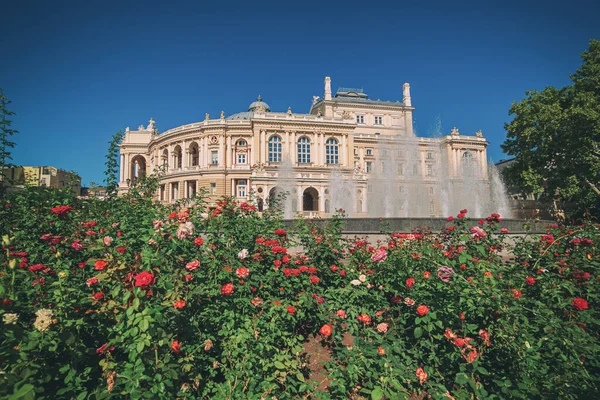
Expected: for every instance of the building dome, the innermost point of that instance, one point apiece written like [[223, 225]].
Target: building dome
[[259, 105]]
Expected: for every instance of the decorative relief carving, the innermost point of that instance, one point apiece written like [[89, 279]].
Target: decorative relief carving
[[214, 140]]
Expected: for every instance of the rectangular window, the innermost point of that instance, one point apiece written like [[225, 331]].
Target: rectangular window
[[400, 169], [162, 192], [430, 156], [174, 191], [241, 159], [431, 190], [241, 188], [369, 167], [378, 120], [429, 170], [304, 150], [401, 189], [213, 188], [360, 119], [214, 157], [369, 152], [355, 151]]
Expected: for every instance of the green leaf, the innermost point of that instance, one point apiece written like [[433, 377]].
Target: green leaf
[[21, 392], [279, 365], [300, 377], [377, 393], [418, 332], [82, 395], [461, 378]]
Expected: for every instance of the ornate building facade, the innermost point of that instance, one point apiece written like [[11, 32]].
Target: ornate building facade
[[345, 137]]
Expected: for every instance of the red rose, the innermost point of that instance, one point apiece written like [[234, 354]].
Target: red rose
[[277, 263], [517, 293], [450, 218], [364, 318], [227, 289], [396, 299], [280, 232], [121, 249], [343, 273], [179, 304], [580, 304], [100, 265], [188, 277], [530, 280], [341, 313], [426, 274], [460, 216], [459, 342], [175, 346], [61, 210], [144, 279], [242, 272], [98, 296], [314, 279], [334, 268], [192, 265], [487, 274], [287, 271], [410, 282], [198, 241], [291, 309], [422, 310], [326, 330], [461, 315], [463, 211], [92, 281]]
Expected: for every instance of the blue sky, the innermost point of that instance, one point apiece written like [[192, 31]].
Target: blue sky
[[78, 71]]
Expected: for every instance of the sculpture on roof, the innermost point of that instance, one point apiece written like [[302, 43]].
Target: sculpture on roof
[[289, 111], [222, 114], [455, 132], [207, 116], [151, 126], [315, 100], [479, 133]]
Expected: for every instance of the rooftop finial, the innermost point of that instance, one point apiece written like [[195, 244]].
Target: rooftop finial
[[259, 98], [406, 92], [327, 88]]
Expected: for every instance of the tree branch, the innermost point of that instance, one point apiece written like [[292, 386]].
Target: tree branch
[[594, 187]]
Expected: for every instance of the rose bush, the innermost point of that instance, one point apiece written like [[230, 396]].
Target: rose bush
[[129, 298]]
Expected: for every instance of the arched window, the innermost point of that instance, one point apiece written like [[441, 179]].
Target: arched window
[[177, 157], [304, 150], [467, 156], [331, 151], [164, 159], [242, 143], [194, 154], [275, 149]]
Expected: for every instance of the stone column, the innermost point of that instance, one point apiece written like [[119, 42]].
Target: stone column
[[293, 157], [233, 193], [300, 196], [321, 200], [263, 146], [121, 170], [229, 153], [344, 161], [222, 151], [316, 149]]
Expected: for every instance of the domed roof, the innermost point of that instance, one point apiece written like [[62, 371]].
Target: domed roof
[[259, 105], [240, 116]]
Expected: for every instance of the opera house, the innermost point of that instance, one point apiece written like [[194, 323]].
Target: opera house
[[348, 151]]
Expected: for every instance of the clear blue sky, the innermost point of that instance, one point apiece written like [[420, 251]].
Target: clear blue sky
[[78, 71]]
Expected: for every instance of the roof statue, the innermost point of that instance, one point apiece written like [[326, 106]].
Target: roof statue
[[455, 132], [315, 99], [222, 114], [289, 111], [207, 116], [151, 126], [479, 133]]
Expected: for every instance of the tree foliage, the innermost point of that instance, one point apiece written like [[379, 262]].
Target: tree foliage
[[555, 139], [112, 164], [5, 133]]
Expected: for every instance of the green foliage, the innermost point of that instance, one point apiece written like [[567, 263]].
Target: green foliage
[[5, 144], [163, 302], [555, 138], [112, 165]]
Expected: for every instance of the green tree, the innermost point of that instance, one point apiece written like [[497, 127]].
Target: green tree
[[5, 144], [555, 139], [112, 165]]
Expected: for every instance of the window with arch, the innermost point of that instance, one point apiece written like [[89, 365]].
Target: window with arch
[[467, 156], [164, 159], [242, 143], [304, 150], [275, 149], [331, 151], [194, 155], [178, 159]]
